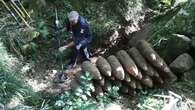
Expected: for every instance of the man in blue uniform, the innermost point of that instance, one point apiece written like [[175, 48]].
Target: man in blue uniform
[[81, 36]]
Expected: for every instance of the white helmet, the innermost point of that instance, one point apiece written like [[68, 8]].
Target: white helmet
[[73, 15]]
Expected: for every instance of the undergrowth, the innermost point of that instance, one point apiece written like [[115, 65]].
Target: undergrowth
[[12, 87], [82, 99]]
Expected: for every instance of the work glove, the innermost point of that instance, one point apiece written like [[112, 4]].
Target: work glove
[[78, 46], [61, 49]]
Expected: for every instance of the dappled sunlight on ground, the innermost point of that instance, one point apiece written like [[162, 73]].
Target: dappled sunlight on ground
[[113, 106], [36, 85]]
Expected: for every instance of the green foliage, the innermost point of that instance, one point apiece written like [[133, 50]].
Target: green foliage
[[178, 20], [42, 29], [11, 85], [184, 20], [160, 5], [150, 101], [63, 56], [30, 48], [147, 100], [167, 2], [18, 41], [81, 98], [99, 32], [111, 94], [43, 13], [186, 86]]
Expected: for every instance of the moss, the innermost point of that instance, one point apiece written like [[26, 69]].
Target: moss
[[182, 22]]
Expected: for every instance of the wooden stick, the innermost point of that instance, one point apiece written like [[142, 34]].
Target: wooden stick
[[10, 11], [18, 8], [21, 17], [23, 9], [163, 96]]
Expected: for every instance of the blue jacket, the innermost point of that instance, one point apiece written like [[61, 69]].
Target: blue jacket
[[81, 32]]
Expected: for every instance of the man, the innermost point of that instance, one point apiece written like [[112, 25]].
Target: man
[[81, 36]]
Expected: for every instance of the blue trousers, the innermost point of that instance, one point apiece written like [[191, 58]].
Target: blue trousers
[[83, 51]]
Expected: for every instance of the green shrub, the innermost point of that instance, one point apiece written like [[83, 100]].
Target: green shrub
[[176, 21], [160, 5], [42, 29], [11, 84], [81, 98]]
